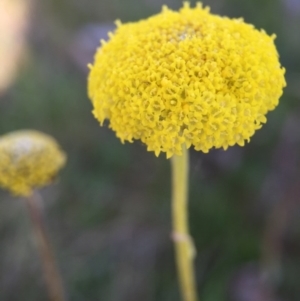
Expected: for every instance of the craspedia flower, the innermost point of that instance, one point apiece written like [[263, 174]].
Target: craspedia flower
[[187, 77], [28, 159]]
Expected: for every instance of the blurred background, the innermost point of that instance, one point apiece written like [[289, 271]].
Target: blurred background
[[108, 214]]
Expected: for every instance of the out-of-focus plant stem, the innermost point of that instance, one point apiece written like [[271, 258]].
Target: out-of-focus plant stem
[[51, 273]]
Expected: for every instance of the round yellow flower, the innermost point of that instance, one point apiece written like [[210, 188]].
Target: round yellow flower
[[28, 159], [187, 77]]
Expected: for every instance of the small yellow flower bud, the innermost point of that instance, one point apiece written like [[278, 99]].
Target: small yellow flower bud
[[28, 159]]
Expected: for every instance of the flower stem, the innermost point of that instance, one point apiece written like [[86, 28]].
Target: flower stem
[[182, 239], [50, 270]]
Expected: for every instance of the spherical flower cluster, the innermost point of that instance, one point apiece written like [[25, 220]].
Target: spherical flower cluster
[[187, 77], [28, 159]]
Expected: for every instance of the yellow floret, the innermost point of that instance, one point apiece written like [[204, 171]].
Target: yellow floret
[[187, 77], [28, 159]]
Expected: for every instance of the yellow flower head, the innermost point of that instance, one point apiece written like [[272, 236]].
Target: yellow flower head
[[187, 77], [28, 159]]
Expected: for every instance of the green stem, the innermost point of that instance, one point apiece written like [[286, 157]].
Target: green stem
[[183, 242], [51, 273]]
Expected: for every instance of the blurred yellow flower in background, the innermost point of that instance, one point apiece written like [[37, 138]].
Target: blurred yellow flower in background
[[186, 78], [28, 159]]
